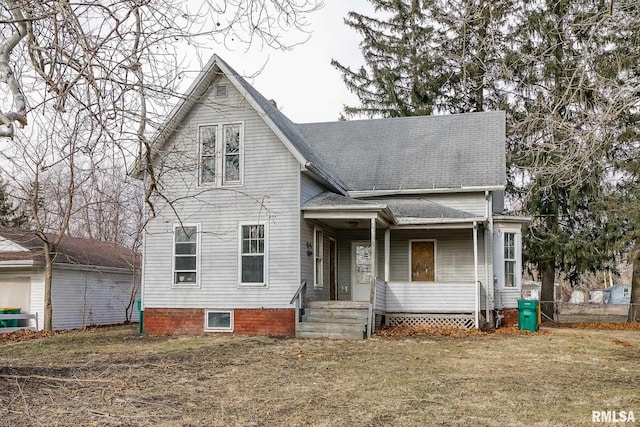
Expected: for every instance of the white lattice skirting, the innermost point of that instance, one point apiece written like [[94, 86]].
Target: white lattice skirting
[[465, 321]]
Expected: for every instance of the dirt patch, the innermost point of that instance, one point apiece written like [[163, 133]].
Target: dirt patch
[[114, 377]]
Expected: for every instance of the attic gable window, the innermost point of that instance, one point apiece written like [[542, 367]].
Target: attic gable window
[[221, 154], [221, 91], [208, 137]]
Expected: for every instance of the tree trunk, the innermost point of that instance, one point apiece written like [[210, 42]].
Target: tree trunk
[[48, 278], [634, 308], [548, 276]]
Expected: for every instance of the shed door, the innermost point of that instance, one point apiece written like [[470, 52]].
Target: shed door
[[423, 265], [14, 293]]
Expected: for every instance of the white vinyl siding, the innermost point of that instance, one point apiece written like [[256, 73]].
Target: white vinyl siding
[[270, 195], [82, 298], [473, 203], [454, 254]]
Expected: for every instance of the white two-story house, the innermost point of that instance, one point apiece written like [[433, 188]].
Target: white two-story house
[[266, 226]]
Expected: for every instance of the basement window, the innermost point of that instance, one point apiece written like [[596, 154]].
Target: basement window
[[218, 321]]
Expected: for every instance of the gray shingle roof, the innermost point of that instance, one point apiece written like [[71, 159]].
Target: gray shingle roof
[[332, 200], [71, 251], [287, 127], [407, 208], [448, 151], [399, 207]]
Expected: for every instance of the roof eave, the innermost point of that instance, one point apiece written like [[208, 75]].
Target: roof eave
[[415, 191]]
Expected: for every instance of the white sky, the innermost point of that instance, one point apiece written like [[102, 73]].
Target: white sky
[[302, 81]]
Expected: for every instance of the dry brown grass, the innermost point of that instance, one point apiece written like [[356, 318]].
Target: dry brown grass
[[112, 376]]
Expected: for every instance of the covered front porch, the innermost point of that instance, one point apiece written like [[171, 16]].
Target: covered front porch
[[431, 271]]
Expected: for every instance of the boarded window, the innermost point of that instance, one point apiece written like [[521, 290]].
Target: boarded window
[[423, 265]]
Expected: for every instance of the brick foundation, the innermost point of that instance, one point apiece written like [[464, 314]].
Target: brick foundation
[[190, 321], [174, 321], [510, 317], [275, 321]]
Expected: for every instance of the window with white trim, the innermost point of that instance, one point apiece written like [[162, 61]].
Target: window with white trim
[[625, 292], [221, 151], [219, 320], [510, 270], [253, 244], [318, 249], [185, 255], [208, 138]]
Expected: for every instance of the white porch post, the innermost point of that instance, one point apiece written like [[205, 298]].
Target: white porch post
[[373, 277], [475, 271], [387, 255]]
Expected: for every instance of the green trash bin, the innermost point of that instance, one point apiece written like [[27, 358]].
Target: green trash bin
[[9, 323], [140, 317], [528, 315]]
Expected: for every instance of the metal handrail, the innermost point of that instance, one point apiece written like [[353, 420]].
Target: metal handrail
[[298, 298], [302, 285]]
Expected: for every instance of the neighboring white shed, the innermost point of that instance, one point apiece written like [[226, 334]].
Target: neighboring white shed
[[94, 283], [619, 294]]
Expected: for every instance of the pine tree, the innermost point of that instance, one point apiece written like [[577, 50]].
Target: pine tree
[[402, 75], [566, 104], [10, 216]]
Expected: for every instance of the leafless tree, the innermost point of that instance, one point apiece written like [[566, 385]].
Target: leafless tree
[[86, 84]]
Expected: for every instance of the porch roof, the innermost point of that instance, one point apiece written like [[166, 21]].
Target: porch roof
[[398, 212]]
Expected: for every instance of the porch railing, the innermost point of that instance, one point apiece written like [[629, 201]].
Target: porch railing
[[300, 298]]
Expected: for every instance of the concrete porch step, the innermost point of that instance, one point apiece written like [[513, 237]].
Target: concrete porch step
[[331, 335], [339, 304], [336, 315], [330, 330]]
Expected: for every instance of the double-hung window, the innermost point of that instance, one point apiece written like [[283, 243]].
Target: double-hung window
[[221, 154], [185, 255], [253, 251], [318, 249], [510, 260]]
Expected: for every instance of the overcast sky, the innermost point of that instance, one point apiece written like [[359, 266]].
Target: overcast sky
[[302, 81]]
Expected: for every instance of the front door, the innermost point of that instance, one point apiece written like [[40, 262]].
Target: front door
[[360, 271], [333, 273], [423, 266]]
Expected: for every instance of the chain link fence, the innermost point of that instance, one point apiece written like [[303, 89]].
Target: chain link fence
[[564, 312]]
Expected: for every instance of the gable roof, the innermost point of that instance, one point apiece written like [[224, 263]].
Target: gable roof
[[454, 152], [280, 124], [422, 152], [24, 245]]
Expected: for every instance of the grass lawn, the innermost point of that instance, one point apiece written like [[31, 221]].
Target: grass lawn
[[112, 376]]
